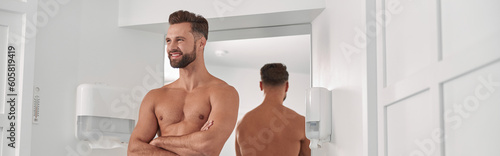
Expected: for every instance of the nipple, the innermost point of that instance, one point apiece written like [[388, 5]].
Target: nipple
[[201, 117]]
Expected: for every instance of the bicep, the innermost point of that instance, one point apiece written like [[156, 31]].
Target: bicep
[[224, 113], [147, 124]]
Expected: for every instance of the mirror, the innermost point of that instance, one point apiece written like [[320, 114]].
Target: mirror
[[238, 61]]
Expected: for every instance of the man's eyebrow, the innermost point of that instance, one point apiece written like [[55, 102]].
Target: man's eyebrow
[[177, 37]]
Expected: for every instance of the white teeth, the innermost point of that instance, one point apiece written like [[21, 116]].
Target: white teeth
[[175, 54]]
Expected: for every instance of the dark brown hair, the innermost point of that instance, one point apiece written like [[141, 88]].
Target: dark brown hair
[[199, 25], [273, 74]]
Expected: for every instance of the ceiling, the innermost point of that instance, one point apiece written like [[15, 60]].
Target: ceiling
[[293, 51]]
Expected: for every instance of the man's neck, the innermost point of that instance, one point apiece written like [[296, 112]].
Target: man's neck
[[273, 98], [193, 76]]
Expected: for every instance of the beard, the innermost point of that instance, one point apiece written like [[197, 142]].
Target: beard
[[185, 60]]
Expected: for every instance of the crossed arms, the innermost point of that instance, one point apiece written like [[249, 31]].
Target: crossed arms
[[207, 141]]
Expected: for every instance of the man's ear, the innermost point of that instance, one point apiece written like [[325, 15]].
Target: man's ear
[[260, 85], [203, 42], [286, 89]]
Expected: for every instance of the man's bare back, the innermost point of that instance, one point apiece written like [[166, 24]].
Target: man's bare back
[[271, 130]]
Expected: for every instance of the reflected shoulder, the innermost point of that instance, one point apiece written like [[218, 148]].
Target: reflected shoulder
[[299, 118], [294, 112]]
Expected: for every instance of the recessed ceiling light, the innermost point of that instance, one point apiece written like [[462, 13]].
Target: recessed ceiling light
[[221, 53]]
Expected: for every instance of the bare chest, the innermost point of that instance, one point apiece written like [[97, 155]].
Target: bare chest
[[190, 109]]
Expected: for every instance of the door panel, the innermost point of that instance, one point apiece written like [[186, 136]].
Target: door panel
[[407, 125], [472, 112], [437, 91], [459, 17], [410, 39]]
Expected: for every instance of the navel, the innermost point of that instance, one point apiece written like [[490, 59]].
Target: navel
[[161, 117], [201, 117]]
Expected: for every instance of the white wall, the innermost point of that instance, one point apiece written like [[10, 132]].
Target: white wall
[[339, 64], [246, 81], [81, 43]]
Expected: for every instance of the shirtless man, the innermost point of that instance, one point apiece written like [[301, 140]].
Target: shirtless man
[[272, 129], [193, 115]]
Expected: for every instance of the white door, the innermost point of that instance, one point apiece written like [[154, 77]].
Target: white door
[[438, 78], [17, 43]]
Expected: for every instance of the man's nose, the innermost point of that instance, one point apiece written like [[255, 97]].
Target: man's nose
[[171, 46]]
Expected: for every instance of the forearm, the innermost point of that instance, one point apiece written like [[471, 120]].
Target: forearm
[[138, 148], [182, 145]]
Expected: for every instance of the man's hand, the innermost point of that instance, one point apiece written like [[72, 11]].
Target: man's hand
[[155, 142], [207, 125]]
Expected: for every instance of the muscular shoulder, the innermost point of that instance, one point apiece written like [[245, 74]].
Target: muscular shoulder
[[222, 94], [151, 96], [260, 116], [243, 123], [218, 86], [299, 120], [291, 111], [157, 93], [296, 119]]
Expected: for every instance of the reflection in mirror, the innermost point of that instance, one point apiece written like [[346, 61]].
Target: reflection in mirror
[[238, 62]]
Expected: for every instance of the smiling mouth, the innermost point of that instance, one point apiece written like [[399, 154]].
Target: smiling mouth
[[175, 55]]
